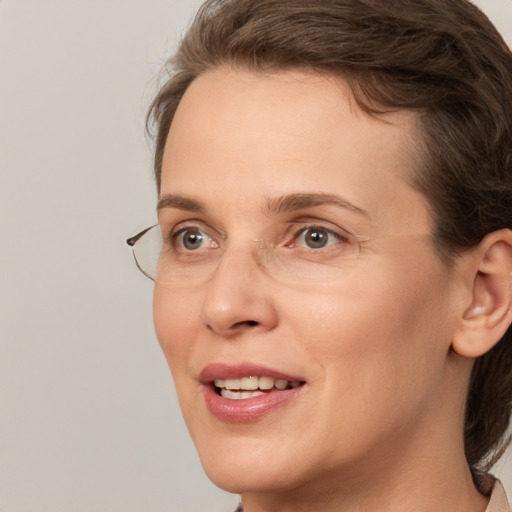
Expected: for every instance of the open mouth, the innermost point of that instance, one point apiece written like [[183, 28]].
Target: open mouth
[[252, 386]]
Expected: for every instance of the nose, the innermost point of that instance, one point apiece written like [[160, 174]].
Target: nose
[[238, 297]]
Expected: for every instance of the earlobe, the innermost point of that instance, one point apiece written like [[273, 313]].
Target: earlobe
[[486, 319]]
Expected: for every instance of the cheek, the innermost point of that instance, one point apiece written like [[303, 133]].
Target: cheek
[[176, 318], [386, 329]]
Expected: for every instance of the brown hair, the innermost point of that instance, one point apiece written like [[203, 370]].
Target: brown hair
[[441, 58]]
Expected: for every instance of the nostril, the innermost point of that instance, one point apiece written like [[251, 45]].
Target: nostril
[[237, 327], [246, 323]]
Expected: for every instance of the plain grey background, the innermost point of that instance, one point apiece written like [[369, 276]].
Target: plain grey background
[[88, 417]]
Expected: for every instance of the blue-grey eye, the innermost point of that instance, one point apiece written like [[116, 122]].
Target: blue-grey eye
[[316, 238], [192, 239]]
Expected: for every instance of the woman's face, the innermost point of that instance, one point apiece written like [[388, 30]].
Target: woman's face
[[311, 269]]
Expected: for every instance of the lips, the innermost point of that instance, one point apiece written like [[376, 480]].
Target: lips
[[246, 392]]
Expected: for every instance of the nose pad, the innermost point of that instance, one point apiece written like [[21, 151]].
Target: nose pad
[[237, 297]]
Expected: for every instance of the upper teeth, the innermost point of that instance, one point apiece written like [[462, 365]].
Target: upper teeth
[[252, 383]]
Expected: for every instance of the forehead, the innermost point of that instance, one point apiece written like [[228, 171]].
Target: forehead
[[238, 134]]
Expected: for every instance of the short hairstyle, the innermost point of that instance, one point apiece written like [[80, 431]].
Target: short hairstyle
[[442, 59]]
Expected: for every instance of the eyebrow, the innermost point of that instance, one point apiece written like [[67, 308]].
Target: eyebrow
[[180, 203], [282, 204], [301, 201]]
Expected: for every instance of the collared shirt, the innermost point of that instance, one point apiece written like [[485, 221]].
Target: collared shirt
[[497, 503]]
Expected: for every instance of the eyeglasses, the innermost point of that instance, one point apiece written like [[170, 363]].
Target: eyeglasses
[[146, 248], [191, 256]]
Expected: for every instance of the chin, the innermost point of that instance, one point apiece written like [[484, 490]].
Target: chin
[[244, 465], [239, 477]]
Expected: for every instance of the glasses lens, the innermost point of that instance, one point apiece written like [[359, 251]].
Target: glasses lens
[[324, 265], [285, 265], [147, 248], [194, 260]]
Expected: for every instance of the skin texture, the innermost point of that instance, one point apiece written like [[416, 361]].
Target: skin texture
[[378, 424]]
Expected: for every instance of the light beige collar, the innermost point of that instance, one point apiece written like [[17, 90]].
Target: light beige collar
[[498, 502]]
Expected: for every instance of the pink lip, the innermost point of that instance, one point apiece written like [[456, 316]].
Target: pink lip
[[250, 409]]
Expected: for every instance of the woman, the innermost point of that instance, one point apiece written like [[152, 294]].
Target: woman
[[333, 293]]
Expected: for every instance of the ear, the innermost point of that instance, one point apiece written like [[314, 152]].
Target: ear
[[488, 315]]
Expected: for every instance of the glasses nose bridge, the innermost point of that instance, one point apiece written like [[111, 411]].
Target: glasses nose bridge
[[236, 259], [247, 249], [243, 260]]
